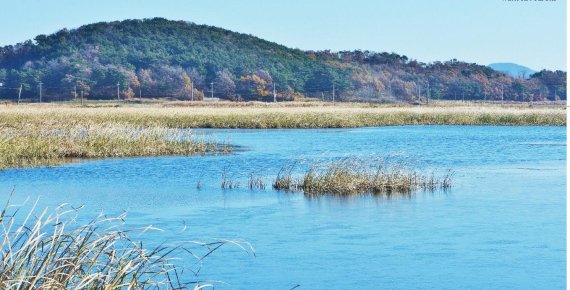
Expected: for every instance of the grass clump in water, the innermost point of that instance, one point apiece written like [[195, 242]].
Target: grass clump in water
[[227, 183], [54, 251], [285, 179], [255, 182], [353, 176]]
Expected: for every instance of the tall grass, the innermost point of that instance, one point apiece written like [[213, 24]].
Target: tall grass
[[226, 182], [255, 182], [285, 179], [352, 176], [43, 250], [48, 134], [43, 145], [284, 116]]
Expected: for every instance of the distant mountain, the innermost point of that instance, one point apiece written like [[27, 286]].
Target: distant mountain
[[513, 69], [156, 58]]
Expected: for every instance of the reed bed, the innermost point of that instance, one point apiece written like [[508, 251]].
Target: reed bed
[[46, 144], [43, 250], [50, 134], [353, 176], [284, 116]]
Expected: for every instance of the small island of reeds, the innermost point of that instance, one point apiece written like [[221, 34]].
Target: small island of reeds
[[356, 176]]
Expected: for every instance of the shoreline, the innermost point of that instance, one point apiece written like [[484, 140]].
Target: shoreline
[[49, 134]]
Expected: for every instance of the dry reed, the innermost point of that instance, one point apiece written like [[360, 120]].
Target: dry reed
[[53, 251], [255, 182], [284, 116], [227, 183], [352, 176], [48, 134], [30, 145]]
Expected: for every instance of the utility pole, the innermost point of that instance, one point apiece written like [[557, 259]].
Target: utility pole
[[118, 89], [274, 95], [502, 95], [140, 94], [82, 97], [40, 92], [19, 93], [212, 90], [75, 92], [419, 93], [333, 93], [428, 94], [192, 91]]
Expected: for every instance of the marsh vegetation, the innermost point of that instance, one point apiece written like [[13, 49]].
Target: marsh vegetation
[[353, 176], [29, 143], [50, 249], [348, 176], [49, 134], [282, 115]]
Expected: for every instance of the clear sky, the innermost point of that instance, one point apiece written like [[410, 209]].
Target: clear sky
[[531, 33]]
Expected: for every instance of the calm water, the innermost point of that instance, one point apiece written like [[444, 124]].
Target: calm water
[[502, 226]]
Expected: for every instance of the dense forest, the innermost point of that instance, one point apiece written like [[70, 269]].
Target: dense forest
[[156, 58]]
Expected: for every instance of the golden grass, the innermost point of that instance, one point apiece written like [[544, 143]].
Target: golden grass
[[51, 250], [48, 134], [354, 176], [27, 144], [287, 115]]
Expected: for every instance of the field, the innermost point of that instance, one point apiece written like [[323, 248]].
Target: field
[[48, 134], [282, 115]]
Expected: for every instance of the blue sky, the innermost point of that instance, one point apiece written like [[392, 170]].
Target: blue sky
[[531, 33]]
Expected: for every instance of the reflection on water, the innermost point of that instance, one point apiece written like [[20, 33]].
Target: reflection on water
[[502, 225]]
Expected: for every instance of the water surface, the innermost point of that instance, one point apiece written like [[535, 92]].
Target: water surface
[[501, 226]]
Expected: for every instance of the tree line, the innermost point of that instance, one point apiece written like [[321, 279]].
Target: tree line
[[155, 58]]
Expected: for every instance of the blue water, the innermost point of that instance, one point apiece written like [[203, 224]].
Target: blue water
[[502, 226]]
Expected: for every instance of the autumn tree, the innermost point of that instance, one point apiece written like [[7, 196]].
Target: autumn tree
[[188, 85], [224, 84], [255, 86]]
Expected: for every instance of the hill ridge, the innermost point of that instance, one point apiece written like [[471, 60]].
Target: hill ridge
[[180, 59]]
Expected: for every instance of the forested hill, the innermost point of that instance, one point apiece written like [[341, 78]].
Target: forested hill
[[161, 58]]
